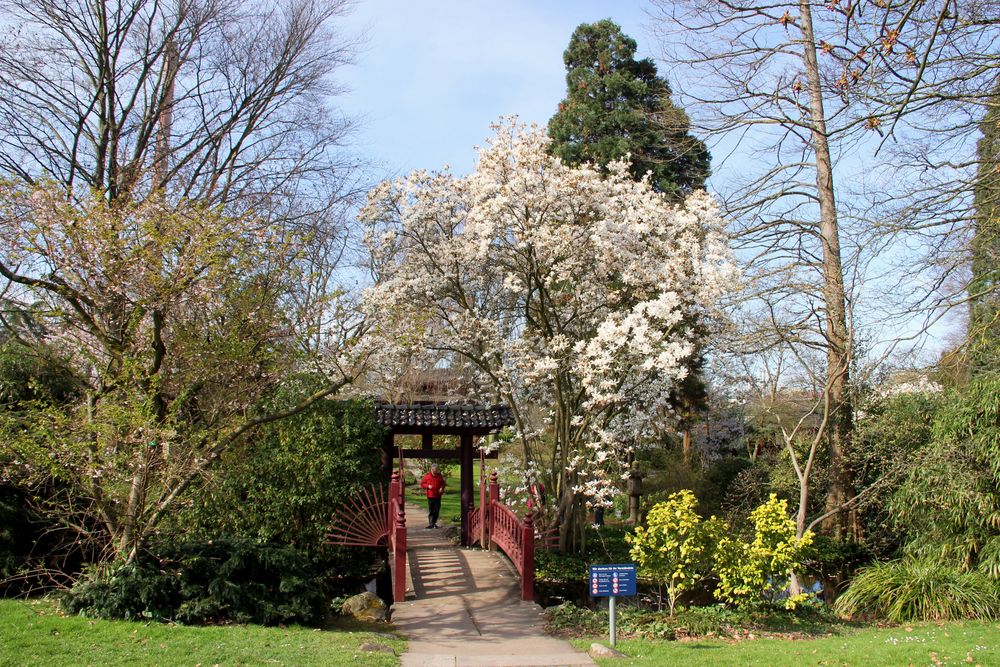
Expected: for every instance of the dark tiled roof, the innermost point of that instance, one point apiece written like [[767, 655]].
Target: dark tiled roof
[[476, 417]]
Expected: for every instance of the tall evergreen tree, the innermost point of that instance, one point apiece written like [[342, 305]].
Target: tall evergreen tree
[[984, 288], [617, 105]]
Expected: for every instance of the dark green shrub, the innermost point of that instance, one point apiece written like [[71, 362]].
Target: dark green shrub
[[637, 620], [137, 591], [907, 590], [806, 618], [555, 566], [285, 484], [569, 619], [604, 545], [235, 580], [33, 374], [699, 621]]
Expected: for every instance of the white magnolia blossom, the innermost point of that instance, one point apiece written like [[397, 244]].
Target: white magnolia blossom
[[921, 385], [577, 294]]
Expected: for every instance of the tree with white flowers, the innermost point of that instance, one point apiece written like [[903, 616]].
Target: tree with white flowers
[[576, 296]]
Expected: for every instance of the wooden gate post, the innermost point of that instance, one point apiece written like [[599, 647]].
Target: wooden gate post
[[494, 498], [397, 536], [482, 505], [465, 463], [528, 558]]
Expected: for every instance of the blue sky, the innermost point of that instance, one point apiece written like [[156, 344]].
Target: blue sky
[[434, 75]]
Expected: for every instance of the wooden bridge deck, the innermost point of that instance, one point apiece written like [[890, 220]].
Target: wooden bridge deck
[[463, 608]]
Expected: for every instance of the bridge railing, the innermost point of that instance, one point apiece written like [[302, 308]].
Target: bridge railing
[[494, 525], [397, 536]]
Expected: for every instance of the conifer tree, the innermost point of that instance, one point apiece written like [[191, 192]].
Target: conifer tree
[[617, 105]]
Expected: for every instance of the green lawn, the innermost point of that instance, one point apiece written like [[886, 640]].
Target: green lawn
[[921, 644], [36, 633]]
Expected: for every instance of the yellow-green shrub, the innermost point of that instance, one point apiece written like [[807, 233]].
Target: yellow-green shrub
[[751, 572], [675, 547]]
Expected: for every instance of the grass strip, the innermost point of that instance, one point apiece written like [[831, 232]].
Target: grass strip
[[34, 632], [969, 643]]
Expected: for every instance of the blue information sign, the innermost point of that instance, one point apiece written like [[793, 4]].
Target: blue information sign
[[612, 580]]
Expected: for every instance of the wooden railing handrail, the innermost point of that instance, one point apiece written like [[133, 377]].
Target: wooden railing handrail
[[514, 536]]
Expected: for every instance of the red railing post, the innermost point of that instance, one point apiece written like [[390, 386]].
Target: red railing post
[[393, 491], [399, 555], [397, 536], [528, 558], [494, 498]]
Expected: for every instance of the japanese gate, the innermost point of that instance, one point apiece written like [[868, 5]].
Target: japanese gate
[[468, 422]]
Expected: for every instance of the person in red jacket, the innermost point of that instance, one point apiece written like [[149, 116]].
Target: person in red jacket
[[433, 482]]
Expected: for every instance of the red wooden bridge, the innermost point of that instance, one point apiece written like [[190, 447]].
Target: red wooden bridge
[[377, 519]]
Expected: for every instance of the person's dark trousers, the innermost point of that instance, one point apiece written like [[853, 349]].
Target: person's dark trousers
[[433, 509]]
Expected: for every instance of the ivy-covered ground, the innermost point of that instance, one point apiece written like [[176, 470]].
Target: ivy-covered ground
[[36, 633]]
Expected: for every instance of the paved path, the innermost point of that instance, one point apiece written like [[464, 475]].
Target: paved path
[[464, 609]]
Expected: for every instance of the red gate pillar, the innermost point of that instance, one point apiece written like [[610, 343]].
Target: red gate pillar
[[397, 536], [494, 498], [482, 503], [528, 558], [465, 463]]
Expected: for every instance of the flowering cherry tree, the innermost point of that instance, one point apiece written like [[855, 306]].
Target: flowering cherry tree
[[176, 324], [576, 296]]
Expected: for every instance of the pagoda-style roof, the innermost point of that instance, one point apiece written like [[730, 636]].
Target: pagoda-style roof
[[445, 419]]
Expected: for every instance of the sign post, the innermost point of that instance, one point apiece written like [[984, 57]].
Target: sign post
[[612, 581]]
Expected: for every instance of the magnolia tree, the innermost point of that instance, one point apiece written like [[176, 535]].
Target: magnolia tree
[[577, 297]]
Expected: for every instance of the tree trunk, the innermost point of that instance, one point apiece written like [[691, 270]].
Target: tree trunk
[[834, 296], [794, 585], [161, 155]]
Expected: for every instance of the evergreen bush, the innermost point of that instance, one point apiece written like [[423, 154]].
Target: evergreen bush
[[16, 533], [284, 487], [948, 504], [193, 582]]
